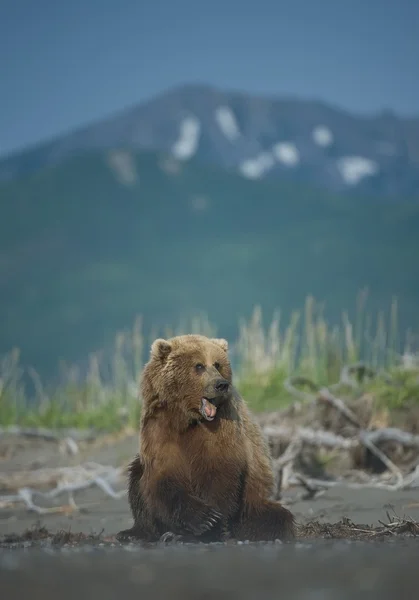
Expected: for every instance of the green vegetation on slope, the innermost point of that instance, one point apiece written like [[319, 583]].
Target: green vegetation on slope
[[82, 253]]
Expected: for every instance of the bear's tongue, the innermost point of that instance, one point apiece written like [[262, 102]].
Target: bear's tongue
[[209, 409]]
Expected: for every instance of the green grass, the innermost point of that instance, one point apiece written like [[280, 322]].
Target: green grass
[[401, 393], [105, 397]]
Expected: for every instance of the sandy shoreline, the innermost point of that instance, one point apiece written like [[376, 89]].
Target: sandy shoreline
[[99, 512]]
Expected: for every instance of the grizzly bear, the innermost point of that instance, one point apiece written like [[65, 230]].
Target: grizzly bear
[[203, 472]]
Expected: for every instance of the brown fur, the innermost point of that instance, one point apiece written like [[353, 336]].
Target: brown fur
[[200, 479]]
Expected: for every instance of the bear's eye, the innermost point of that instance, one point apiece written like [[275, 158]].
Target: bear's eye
[[217, 366], [199, 368]]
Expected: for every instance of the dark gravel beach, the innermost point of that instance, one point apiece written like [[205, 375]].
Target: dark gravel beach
[[313, 571]]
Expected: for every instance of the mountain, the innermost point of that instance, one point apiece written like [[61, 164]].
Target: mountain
[[90, 242], [258, 137]]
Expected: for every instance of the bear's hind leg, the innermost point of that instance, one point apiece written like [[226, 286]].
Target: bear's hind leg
[[143, 528], [267, 521], [260, 517]]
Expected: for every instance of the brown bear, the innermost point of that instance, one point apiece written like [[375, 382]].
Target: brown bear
[[203, 472]]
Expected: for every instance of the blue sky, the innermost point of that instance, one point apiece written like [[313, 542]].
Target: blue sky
[[63, 64]]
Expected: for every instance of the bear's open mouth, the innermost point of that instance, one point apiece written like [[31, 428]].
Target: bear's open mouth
[[208, 410]]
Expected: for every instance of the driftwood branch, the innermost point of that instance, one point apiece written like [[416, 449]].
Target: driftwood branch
[[283, 465], [326, 397], [338, 404], [410, 481], [309, 436], [369, 439], [321, 438], [50, 435], [65, 479], [348, 371]]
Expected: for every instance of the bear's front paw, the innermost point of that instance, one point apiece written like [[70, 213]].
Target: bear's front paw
[[169, 536], [202, 519]]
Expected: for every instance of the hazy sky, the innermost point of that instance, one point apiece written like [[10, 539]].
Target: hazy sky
[[65, 63]]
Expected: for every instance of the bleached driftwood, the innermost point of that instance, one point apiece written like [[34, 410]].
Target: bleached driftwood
[[283, 465], [69, 439], [322, 438], [326, 397], [369, 439], [347, 372], [309, 436], [65, 479], [410, 481], [50, 435], [363, 435], [295, 437]]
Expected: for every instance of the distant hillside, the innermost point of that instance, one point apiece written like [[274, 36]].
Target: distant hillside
[[87, 245], [258, 137]]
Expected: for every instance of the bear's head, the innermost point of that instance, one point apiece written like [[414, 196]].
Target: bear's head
[[188, 375]]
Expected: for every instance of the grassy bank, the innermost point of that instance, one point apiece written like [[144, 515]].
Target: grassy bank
[[104, 396]]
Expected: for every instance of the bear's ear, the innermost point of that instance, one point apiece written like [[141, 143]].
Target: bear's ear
[[160, 349], [220, 342]]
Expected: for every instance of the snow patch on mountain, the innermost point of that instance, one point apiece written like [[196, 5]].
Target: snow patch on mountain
[[355, 168], [226, 121], [187, 143], [254, 168], [322, 136], [286, 153], [123, 165]]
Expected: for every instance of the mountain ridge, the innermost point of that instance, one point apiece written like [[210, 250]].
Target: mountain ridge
[[258, 136]]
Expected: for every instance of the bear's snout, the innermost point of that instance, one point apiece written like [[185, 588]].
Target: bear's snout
[[218, 391], [222, 386]]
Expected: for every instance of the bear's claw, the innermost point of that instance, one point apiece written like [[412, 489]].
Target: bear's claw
[[200, 524], [169, 536]]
